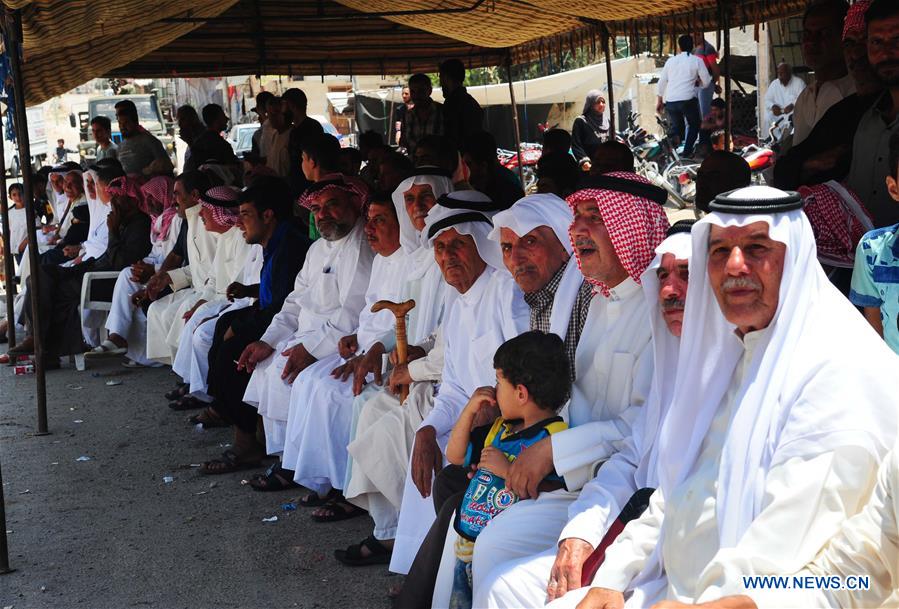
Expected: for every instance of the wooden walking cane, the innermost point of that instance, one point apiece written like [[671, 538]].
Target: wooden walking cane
[[402, 354]]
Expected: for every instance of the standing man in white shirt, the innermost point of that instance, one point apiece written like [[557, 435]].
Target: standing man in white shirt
[[678, 84], [822, 50]]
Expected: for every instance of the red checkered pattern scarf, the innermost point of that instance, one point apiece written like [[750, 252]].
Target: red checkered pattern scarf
[[636, 226], [355, 187], [854, 22], [127, 187], [837, 228], [225, 216], [159, 200]]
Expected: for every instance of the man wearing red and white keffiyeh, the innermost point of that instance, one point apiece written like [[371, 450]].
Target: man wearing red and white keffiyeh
[[618, 223]]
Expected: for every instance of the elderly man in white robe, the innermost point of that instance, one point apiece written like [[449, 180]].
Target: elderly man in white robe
[[759, 459], [321, 400], [328, 296], [126, 323], [186, 281], [488, 309], [532, 581], [781, 98], [618, 222], [382, 429]]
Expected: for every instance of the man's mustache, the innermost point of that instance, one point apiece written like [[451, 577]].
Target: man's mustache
[[740, 283], [673, 304]]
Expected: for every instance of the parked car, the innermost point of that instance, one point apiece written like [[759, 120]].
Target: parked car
[[37, 139], [241, 137]]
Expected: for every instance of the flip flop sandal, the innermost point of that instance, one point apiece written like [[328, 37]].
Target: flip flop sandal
[[338, 512], [209, 419], [313, 499], [105, 349], [177, 393], [379, 554], [229, 462], [272, 480], [188, 402]]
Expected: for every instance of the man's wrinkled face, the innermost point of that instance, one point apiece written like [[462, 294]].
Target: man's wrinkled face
[[334, 213], [745, 267], [672, 275], [73, 185], [183, 198], [883, 49], [458, 259], [382, 230], [593, 245], [534, 258], [419, 200]]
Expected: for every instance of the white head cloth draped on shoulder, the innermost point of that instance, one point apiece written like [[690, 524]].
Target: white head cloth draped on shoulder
[[534, 211], [819, 379], [440, 183]]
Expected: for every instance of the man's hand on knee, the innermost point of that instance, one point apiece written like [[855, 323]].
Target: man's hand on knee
[[298, 359], [253, 354], [566, 572]]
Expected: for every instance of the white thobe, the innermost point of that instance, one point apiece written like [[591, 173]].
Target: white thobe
[[613, 374], [805, 501], [192, 358], [124, 318], [324, 306], [70, 216], [814, 101], [231, 253], [321, 406], [18, 231], [781, 95], [162, 313], [491, 312], [866, 545]]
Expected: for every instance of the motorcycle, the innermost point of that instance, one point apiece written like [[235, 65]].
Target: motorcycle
[[530, 154]]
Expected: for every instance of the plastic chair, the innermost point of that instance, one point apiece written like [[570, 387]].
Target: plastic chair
[[87, 304]]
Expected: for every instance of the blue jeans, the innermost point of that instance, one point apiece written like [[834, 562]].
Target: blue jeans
[[705, 99], [461, 596], [680, 112]]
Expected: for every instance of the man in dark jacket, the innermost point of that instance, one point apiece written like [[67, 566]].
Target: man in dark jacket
[[265, 214], [462, 114]]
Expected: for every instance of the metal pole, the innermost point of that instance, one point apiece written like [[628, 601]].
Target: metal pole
[[12, 34], [728, 109], [8, 266], [515, 126], [4, 548], [613, 130]]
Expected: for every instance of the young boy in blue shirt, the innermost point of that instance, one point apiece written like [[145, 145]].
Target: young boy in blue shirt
[[875, 277], [532, 385]]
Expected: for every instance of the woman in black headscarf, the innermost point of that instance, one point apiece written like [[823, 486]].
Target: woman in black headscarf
[[590, 129]]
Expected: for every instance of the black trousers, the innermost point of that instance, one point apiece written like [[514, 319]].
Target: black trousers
[[418, 589], [226, 383]]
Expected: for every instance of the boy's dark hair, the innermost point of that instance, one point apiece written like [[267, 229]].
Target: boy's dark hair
[[127, 107], [17, 186], [108, 173], [453, 68], [269, 192], [685, 43], [562, 169], [538, 361], [194, 180], [894, 155], [441, 151], [324, 149], [103, 121], [881, 9]]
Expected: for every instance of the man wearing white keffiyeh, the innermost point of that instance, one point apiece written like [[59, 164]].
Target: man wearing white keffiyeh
[[782, 409]]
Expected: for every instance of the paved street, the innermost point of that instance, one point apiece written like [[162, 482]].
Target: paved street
[[108, 532]]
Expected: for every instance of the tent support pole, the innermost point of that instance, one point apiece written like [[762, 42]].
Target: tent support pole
[[515, 126], [12, 35], [8, 265], [724, 12], [606, 40]]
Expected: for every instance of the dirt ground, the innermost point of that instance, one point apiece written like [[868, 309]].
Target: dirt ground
[[109, 532]]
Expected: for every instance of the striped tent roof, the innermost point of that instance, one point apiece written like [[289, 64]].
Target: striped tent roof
[[68, 42]]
